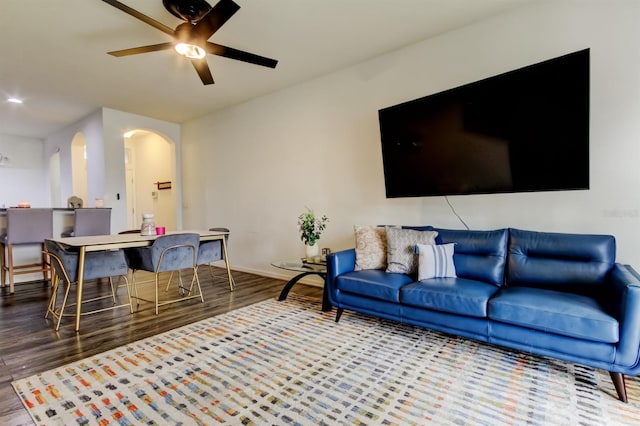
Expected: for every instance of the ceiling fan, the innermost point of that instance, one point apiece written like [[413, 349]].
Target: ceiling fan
[[190, 38]]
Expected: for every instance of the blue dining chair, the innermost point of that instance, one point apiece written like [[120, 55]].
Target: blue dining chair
[[168, 253], [97, 264], [211, 251]]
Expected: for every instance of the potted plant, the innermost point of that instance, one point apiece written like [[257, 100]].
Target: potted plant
[[311, 228]]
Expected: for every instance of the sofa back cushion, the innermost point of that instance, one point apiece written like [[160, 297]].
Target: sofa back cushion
[[578, 263], [478, 255]]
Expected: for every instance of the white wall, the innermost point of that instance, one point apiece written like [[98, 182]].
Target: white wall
[[24, 172], [24, 177], [90, 128], [254, 167], [79, 177]]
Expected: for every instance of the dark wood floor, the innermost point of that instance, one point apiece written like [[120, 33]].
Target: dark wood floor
[[29, 344]]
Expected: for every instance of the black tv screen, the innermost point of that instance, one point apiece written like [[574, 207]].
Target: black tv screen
[[525, 130]]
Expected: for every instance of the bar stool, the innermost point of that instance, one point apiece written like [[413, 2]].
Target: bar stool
[[90, 221], [25, 226]]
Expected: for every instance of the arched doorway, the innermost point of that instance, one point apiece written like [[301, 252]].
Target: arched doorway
[[150, 168]]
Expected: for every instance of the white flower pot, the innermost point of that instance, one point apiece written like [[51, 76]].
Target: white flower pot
[[312, 251]]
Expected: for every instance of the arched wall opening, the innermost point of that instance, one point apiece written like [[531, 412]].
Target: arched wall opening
[[150, 168]]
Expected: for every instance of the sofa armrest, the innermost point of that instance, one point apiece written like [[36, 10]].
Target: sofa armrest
[[339, 263], [626, 301]]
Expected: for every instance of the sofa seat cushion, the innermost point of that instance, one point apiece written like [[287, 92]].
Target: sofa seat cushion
[[454, 295], [373, 283], [555, 312]]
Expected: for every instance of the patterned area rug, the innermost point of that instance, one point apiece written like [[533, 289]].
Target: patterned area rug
[[288, 363]]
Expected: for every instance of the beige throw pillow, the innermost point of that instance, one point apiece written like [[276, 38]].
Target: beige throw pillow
[[371, 247], [401, 248]]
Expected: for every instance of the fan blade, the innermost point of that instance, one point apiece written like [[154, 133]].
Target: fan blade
[[240, 55], [141, 49], [144, 18], [202, 68], [215, 18]]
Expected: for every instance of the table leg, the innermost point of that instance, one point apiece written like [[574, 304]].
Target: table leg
[[232, 284], [326, 305], [80, 287]]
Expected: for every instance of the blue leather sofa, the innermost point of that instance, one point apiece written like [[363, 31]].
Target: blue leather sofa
[[551, 294]]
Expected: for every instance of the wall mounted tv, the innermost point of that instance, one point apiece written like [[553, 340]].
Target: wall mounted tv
[[525, 130]]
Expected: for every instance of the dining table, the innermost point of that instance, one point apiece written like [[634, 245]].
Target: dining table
[[93, 243]]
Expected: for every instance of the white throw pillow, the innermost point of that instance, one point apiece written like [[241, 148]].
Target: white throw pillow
[[435, 261]]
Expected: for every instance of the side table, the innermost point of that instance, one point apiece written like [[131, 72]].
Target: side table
[[304, 269]]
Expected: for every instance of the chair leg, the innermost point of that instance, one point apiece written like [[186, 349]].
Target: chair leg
[[114, 289], [126, 282], [45, 264], [157, 284], [181, 285], [3, 270], [197, 279], [54, 293], [10, 262], [232, 284], [135, 289], [113, 292], [190, 289], [210, 271], [53, 275], [64, 303], [169, 281], [213, 277]]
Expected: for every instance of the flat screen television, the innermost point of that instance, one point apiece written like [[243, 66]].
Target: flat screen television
[[524, 130]]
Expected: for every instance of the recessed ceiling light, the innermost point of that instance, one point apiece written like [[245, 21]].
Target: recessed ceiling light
[[14, 100]]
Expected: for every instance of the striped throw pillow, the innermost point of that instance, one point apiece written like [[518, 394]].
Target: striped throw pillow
[[435, 261]]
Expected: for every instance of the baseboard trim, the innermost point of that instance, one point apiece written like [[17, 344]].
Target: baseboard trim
[[309, 280]]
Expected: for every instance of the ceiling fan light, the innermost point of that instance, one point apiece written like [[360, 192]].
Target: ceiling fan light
[[191, 51]]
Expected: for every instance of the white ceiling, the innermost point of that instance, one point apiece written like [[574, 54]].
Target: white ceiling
[[53, 53]]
